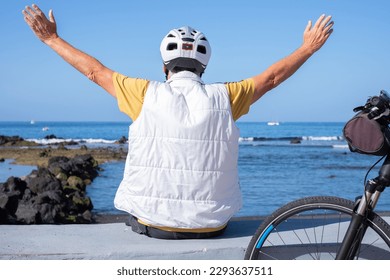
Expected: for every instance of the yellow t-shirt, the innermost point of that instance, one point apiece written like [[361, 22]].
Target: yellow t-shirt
[[130, 94]]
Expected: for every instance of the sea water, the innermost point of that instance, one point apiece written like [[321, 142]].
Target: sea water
[[273, 168]]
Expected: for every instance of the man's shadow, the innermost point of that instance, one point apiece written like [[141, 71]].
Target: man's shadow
[[242, 227]]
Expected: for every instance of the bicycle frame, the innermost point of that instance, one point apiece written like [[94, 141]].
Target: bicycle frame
[[364, 206]]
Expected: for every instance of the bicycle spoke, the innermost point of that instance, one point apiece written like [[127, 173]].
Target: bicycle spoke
[[314, 228]]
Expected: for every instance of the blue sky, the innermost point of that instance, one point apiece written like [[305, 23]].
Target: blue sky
[[246, 37]]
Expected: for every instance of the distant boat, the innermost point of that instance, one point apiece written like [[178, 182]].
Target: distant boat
[[272, 123], [32, 122], [45, 128]]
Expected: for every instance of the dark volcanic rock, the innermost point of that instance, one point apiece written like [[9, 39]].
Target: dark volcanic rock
[[122, 140], [15, 141], [55, 194]]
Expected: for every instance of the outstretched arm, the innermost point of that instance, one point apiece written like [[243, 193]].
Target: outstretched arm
[[46, 30], [313, 39]]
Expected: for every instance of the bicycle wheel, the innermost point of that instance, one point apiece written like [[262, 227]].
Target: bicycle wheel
[[313, 228]]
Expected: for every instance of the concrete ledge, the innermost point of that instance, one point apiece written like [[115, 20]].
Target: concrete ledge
[[116, 241]]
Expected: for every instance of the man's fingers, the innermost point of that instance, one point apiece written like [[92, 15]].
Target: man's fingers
[[38, 11], [325, 21], [51, 16], [329, 27], [27, 17], [319, 20], [24, 12], [30, 22], [34, 12], [30, 11]]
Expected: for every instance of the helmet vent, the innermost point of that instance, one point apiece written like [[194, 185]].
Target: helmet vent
[[171, 47], [171, 36], [201, 49], [188, 40], [203, 39]]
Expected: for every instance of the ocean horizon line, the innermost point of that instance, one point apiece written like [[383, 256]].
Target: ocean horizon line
[[130, 121]]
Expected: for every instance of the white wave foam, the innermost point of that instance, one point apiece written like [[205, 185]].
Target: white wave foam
[[340, 146], [97, 141], [245, 139], [322, 138], [58, 141], [304, 138], [49, 141]]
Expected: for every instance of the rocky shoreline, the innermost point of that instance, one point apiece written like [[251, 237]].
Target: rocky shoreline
[[30, 153], [55, 193]]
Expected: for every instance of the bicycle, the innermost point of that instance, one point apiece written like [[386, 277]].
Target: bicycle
[[329, 227]]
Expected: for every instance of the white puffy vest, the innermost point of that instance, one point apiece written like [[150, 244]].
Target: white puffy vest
[[181, 168]]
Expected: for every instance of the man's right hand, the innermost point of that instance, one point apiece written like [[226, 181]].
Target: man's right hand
[[45, 29], [315, 37]]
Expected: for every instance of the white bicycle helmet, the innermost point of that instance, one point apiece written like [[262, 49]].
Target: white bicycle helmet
[[185, 48]]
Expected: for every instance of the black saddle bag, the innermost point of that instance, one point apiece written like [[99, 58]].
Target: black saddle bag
[[366, 136]]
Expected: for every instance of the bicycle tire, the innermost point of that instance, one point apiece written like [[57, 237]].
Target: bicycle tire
[[313, 228]]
